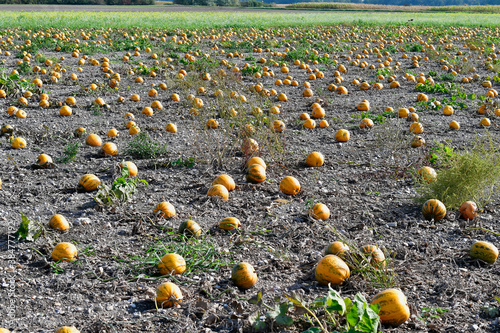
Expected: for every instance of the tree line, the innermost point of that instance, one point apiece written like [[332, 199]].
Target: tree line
[[79, 2], [403, 2]]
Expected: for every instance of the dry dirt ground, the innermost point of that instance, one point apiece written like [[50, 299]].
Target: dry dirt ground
[[366, 182]]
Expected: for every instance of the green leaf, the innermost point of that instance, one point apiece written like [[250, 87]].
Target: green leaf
[[335, 302], [355, 314], [257, 299], [284, 320], [295, 301], [369, 321], [497, 299], [28, 230]]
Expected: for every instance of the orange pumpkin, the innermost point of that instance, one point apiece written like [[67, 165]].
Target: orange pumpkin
[[417, 141], [290, 185], [428, 174], [337, 248], [366, 123], [109, 148], [375, 255], [249, 146], [18, 143], [394, 309], [315, 159], [93, 140], [89, 182], [331, 269], [165, 209], [342, 135], [218, 191], [229, 223], [171, 127], [132, 168], [256, 173], [65, 111], [168, 294], [243, 275], [190, 227], [484, 251], [434, 209], [320, 212], [172, 263], [468, 210], [44, 160], [256, 160], [64, 252], [59, 222], [225, 180]]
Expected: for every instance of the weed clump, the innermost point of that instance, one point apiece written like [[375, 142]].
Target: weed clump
[[143, 146], [469, 175]]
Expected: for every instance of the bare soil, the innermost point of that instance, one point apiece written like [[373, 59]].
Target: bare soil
[[366, 182]]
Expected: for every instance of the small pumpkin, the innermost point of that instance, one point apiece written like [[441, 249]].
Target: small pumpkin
[[225, 180], [256, 173], [168, 294], [434, 209], [172, 263], [112, 133], [80, 131], [375, 255], [67, 329], [468, 210], [65, 252], [428, 174], [133, 130], [132, 168], [366, 123], [320, 211], [278, 126], [243, 275], [65, 111], [337, 248], [89, 182], [290, 185], [310, 124], [165, 209], [417, 141], [342, 135], [229, 223], [416, 128], [109, 148], [171, 127], [44, 160], [454, 125], [218, 191], [394, 308], [249, 146], [332, 269], [484, 251], [256, 160], [93, 140], [315, 159], [18, 143], [59, 222], [4, 330], [190, 227]]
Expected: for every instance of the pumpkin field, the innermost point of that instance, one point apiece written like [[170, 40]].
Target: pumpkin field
[[341, 177]]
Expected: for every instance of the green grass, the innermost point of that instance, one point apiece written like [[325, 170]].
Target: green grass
[[201, 255], [190, 20], [472, 174]]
